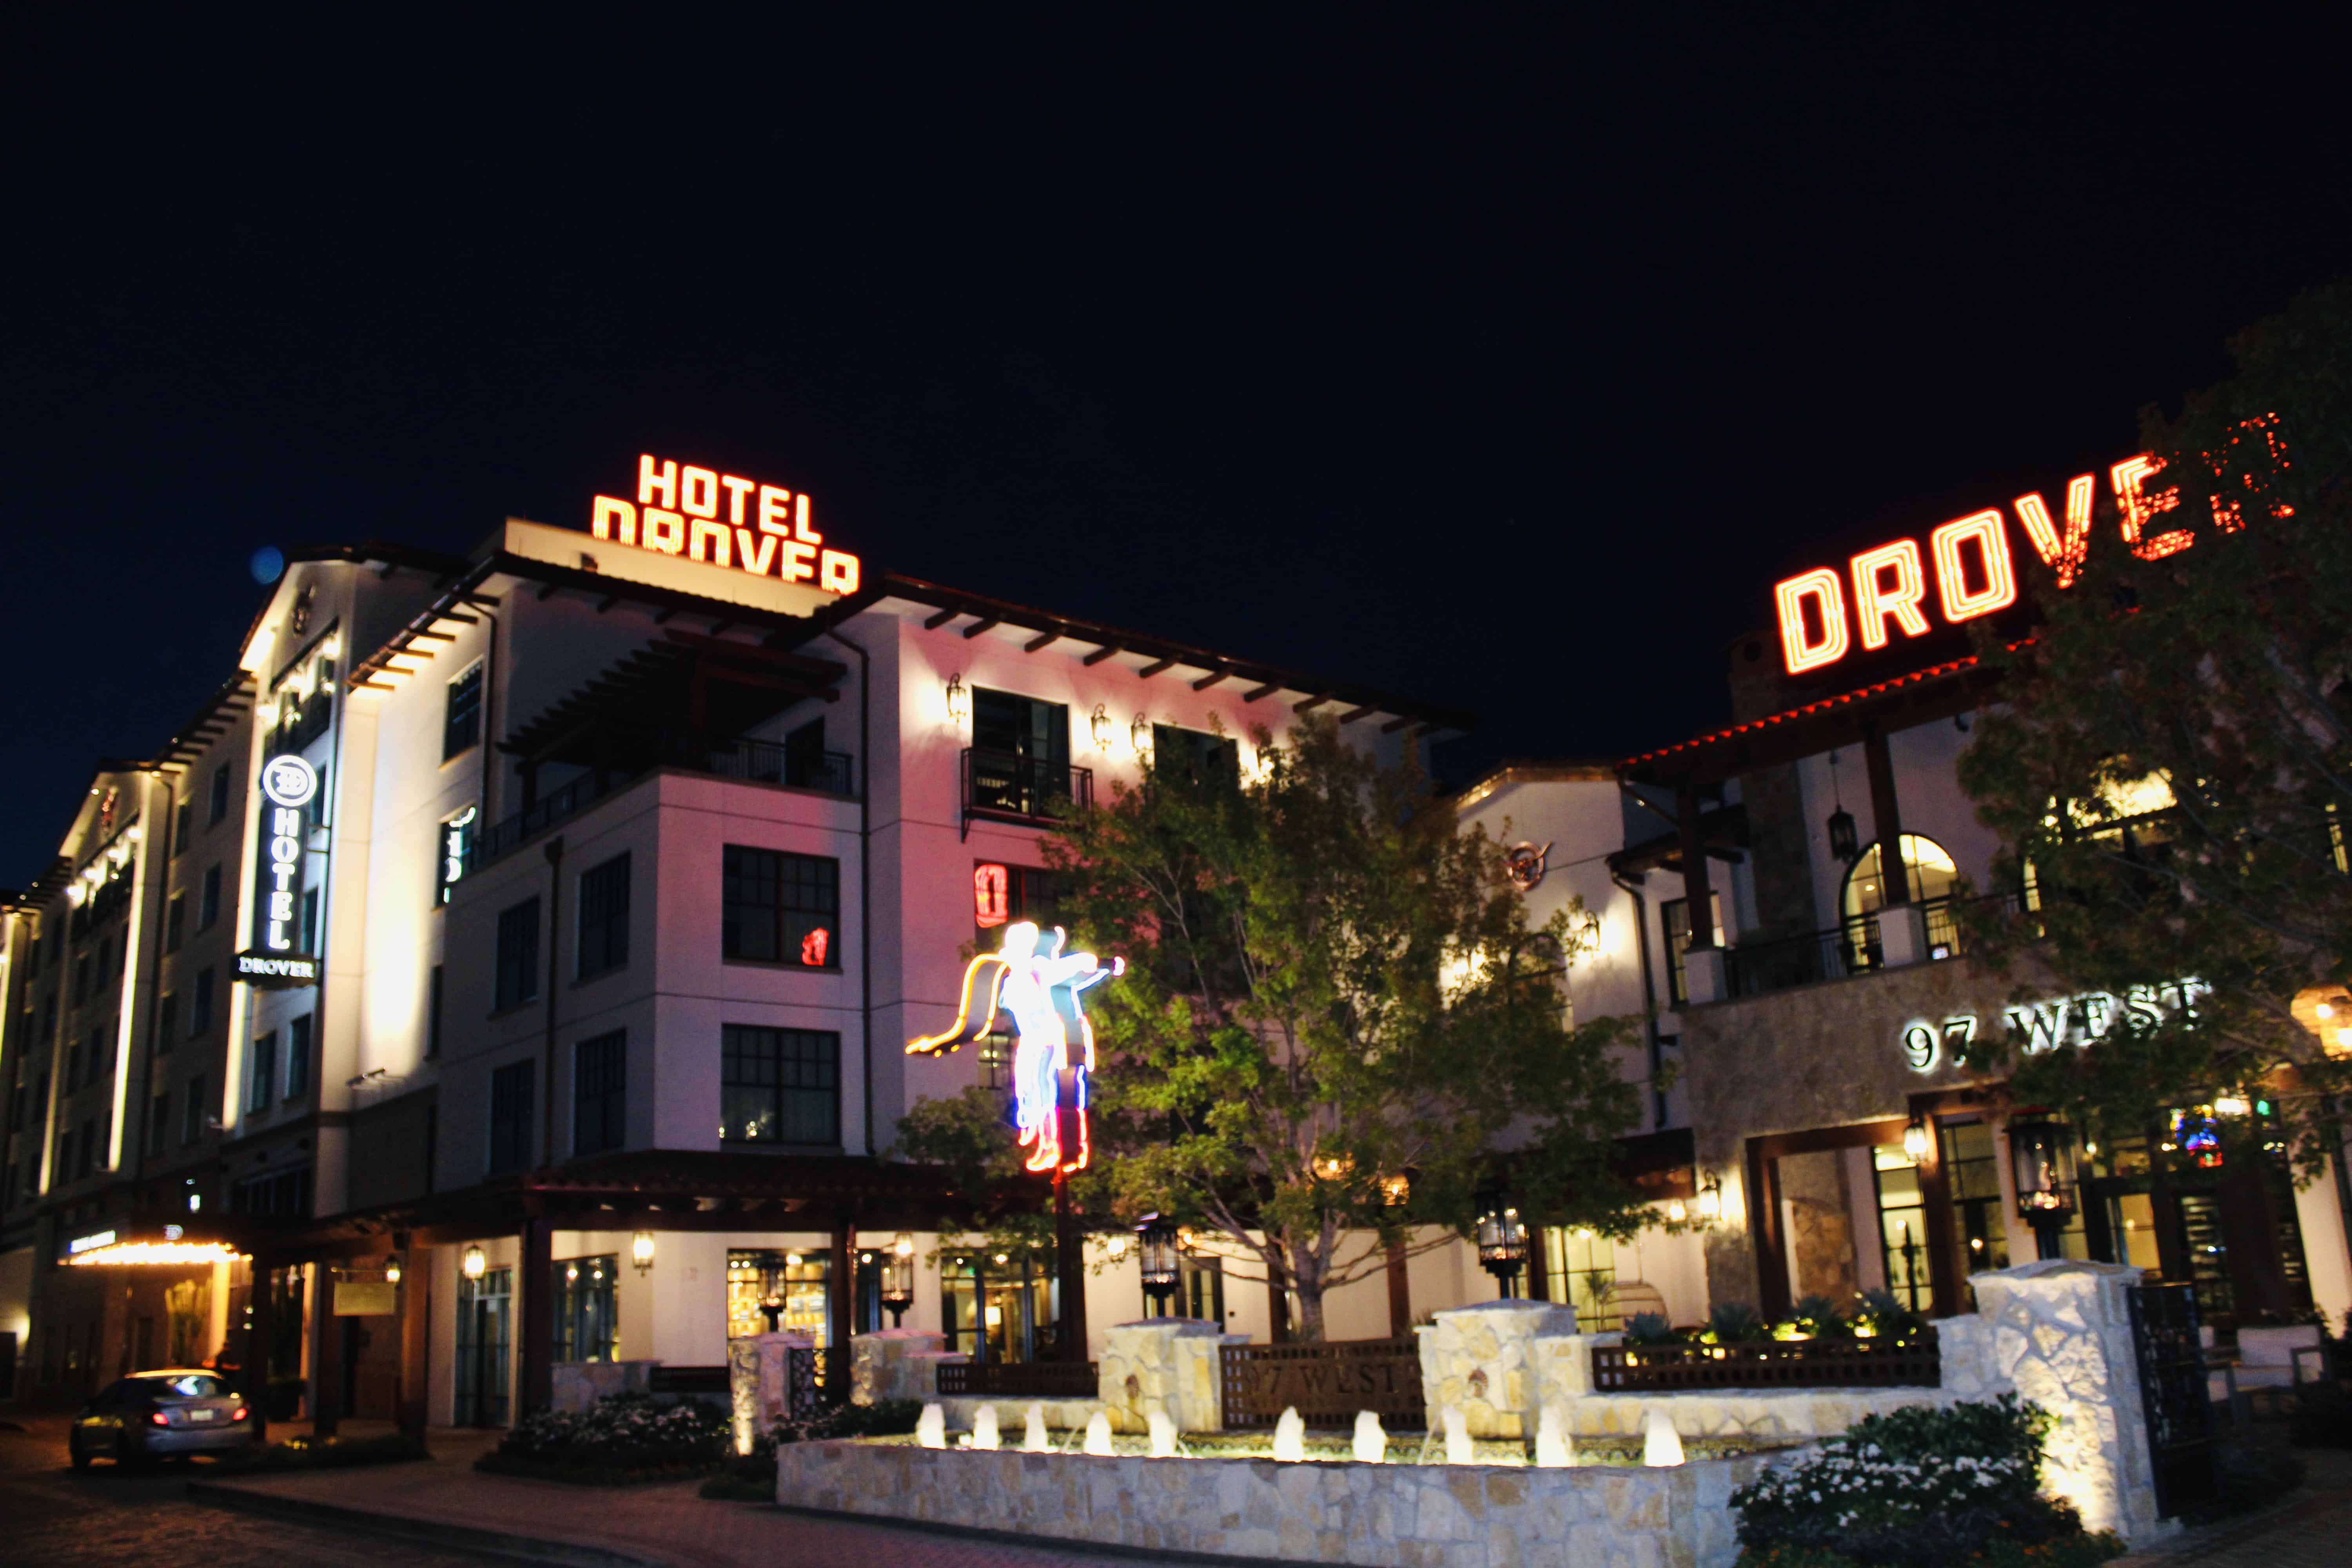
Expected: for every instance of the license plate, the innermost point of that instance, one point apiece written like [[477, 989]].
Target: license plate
[[204, 1415]]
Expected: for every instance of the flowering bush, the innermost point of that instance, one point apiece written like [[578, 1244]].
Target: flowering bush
[[1915, 1487], [621, 1432]]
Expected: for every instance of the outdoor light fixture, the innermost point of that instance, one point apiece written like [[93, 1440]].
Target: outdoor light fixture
[[1710, 1200], [1156, 1244], [1677, 1212], [1502, 1240], [473, 1263], [1915, 1140], [392, 1271], [958, 700], [899, 1278], [771, 1307], [2038, 1156], [1100, 726], [1139, 734], [1396, 1191], [1843, 844], [641, 1250]]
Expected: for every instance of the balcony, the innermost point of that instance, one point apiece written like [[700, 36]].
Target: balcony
[[1004, 786], [759, 762], [1755, 969]]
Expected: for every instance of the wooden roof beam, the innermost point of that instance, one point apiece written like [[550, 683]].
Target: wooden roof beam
[[549, 589], [1394, 726], [1210, 679], [1161, 667], [1352, 715], [985, 623], [1311, 704], [1254, 692], [1042, 639], [1100, 654], [453, 616], [933, 622]]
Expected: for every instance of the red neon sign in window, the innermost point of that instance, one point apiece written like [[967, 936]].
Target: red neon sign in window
[[989, 884], [815, 946]]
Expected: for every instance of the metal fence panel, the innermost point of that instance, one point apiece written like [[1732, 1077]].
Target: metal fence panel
[[1327, 1383]]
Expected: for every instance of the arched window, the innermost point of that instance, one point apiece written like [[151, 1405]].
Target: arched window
[[1931, 871]]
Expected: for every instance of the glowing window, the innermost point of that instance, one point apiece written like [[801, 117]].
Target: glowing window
[[1932, 875]]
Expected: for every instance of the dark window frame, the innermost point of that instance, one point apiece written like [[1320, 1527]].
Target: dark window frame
[[600, 1093], [510, 1127], [770, 902], [758, 1104], [461, 713], [602, 943], [515, 974]]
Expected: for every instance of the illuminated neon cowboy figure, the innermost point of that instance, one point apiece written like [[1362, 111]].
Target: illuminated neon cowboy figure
[[1033, 979]]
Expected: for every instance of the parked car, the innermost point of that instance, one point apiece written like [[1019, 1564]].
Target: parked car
[[159, 1414]]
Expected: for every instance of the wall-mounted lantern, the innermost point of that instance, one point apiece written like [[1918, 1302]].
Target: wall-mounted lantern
[[641, 1250], [1915, 1140], [958, 700], [1710, 1200], [2038, 1154], [472, 1263], [899, 1279], [1100, 726], [391, 1270], [1139, 734]]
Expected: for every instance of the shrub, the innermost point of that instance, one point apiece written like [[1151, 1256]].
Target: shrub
[[1734, 1322], [1884, 1315], [1814, 1317], [1916, 1488], [623, 1432], [752, 1477], [1648, 1329]]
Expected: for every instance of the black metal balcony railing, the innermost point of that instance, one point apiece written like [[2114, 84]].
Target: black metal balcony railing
[[761, 762], [1008, 787], [1753, 969]]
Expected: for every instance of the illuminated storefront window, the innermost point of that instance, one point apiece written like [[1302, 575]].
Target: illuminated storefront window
[[587, 1314], [795, 1278]]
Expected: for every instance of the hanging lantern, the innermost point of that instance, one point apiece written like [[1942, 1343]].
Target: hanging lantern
[[392, 1272], [899, 1278], [1160, 1256], [1843, 843], [2039, 1153]]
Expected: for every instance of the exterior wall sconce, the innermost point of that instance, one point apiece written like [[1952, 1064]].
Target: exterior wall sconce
[[1915, 1140], [392, 1271], [1710, 1201], [958, 700], [1139, 734], [1677, 1212], [641, 1250], [1502, 1241], [1159, 1246], [1100, 726], [472, 1264], [899, 1279], [2038, 1158], [1396, 1191]]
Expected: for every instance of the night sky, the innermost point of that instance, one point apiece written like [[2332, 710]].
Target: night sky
[[1502, 357]]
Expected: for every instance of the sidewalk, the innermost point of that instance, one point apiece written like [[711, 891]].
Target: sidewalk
[[444, 1499], [2310, 1528]]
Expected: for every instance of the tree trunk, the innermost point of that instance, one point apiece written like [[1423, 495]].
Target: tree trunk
[[1307, 1276]]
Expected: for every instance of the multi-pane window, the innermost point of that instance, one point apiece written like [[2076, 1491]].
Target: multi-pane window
[[200, 1011], [208, 901], [1001, 893], [600, 1092], [183, 824], [518, 955], [220, 794], [192, 1114], [779, 1086], [175, 919], [587, 1316], [511, 1118], [167, 1023], [1020, 760], [298, 1056], [432, 1013], [264, 1073], [1189, 755], [159, 1122], [779, 908], [604, 917], [461, 723]]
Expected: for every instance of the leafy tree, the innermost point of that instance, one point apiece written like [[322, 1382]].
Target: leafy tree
[[2172, 759], [1328, 984]]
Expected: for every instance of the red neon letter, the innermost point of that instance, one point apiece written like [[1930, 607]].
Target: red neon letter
[[2062, 556], [1802, 650], [1952, 587], [706, 541], [650, 478], [812, 947], [988, 894], [2141, 508], [701, 493], [736, 490], [1875, 600], [756, 560], [605, 513], [775, 510], [664, 530], [800, 528], [839, 569]]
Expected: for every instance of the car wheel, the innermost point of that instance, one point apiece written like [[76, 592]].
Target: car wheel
[[80, 1460]]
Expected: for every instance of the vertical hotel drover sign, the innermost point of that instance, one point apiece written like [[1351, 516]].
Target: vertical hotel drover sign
[[289, 789]]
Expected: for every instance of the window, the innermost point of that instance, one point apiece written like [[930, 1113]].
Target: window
[[461, 723], [200, 1012], [310, 921], [176, 916], [167, 1023], [184, 824], [604, 917], [192, 1112], [208, 902], [1020, 760], [600, 1092], [82, 979], [433, 1014], [511, 1118], [263, 1075], [996, 1061], [1673, 918], [1001, 893], [298, 1056], [779, 1086], [220, 794], [89, 1146], [159, 1122], [587, 1323], [1189, 755], [1931, 877], [517, 956], [781, 908]]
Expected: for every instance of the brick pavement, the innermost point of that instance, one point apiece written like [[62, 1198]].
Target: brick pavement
[[2311, 1528]]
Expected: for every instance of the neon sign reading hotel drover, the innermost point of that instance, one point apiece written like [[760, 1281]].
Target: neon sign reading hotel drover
[[705, 515], [1974, 573]]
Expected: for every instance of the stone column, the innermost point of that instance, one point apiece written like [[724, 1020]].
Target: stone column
[[1167, 1364], [895, 1363], [759, 1381], [415, 1338], [1478, 1359], [2061, 1336]]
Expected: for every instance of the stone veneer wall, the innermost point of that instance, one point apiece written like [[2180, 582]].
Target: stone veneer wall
[[1377, 1516], [1484, 1361], [1167, 1365]]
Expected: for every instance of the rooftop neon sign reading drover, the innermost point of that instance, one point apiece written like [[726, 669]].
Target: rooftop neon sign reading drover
[[1974, 573], [1033, 979], [705, 515]]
